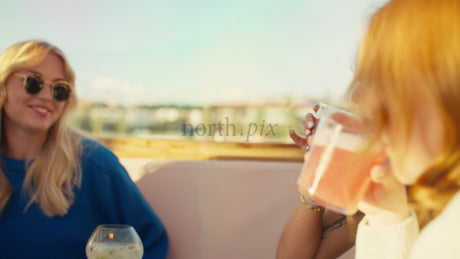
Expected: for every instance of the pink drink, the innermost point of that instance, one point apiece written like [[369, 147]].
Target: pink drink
[[335, 174]]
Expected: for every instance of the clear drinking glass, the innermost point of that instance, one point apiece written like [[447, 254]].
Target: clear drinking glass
[[114, 242], [336, 173]]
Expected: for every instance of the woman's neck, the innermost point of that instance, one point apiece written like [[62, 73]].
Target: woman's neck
[[23, 145]]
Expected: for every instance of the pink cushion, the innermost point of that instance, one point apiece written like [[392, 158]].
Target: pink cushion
[[221, 209]]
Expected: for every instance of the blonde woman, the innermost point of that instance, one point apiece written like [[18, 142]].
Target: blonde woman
[[407, 90], [56, 186]]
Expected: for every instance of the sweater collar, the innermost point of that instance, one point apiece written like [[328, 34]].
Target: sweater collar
[[13, 165]]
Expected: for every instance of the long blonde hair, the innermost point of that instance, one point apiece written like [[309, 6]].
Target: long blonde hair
[[50, 178], [410, 57]]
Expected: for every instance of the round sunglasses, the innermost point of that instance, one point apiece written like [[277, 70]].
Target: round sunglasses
[[34, 83]]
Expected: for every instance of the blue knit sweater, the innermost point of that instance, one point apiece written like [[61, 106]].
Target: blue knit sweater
[[107, 196]]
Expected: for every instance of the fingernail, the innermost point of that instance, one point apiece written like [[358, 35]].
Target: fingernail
[[307, 132], [290, 131], [310, 124]]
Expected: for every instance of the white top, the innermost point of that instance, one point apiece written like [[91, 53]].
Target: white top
[[439, 239]]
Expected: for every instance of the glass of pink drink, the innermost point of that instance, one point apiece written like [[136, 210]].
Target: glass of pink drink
[[336, 174]]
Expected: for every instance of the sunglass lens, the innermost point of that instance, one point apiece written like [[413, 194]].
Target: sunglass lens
[[61, 91], [33, 84]]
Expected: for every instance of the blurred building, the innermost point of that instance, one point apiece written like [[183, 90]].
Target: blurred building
[[268, 122]]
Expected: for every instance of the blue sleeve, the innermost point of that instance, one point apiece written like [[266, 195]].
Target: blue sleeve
[[122, 202]]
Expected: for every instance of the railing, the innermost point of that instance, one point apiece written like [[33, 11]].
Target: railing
[[202, 150]]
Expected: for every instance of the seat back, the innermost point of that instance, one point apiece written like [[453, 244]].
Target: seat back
[[221, 209]]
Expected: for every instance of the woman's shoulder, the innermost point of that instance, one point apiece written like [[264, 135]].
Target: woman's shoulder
[[98, 163], [440, 237], [94, 152], [451, 212]]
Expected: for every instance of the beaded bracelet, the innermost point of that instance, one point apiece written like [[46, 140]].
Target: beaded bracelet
[[307, 203]]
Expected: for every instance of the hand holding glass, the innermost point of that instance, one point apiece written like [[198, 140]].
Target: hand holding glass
[[114, 242], [336, 174]]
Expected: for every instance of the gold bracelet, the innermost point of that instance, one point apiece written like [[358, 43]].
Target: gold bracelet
[[307, 203]]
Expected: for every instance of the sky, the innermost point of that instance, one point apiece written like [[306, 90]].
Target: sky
[[197, 51]]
